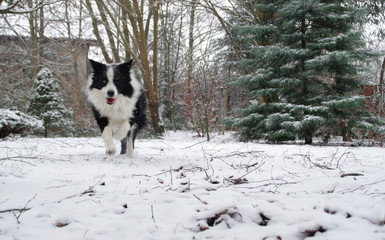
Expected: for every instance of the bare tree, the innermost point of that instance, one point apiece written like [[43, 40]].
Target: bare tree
[[97, 32], [190, 68], [170, 64], [102, 10]]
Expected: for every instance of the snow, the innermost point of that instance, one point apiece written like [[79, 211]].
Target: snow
[[311, 119], [182, 187], [344, 102], [13, 118]]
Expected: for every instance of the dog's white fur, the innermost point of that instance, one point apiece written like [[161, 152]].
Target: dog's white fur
[[118, 113]]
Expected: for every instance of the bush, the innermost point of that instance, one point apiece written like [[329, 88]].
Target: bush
[[16, 122]]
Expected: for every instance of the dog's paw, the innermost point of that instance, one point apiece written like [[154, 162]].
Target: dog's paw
[[130, 154], [111, 151]]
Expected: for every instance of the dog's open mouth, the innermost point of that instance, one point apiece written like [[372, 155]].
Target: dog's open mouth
[[110, 100]]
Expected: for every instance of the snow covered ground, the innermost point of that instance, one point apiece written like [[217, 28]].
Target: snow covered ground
[[182, 187]]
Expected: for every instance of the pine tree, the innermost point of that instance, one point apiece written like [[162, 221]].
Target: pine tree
[[46, 103], [306, 71]]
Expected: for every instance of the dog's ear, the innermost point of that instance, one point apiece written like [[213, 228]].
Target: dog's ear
[[97, 65], [126, 66]]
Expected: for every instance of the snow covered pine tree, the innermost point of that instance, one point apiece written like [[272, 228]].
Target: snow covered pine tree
[[46, 103], [306, 71]]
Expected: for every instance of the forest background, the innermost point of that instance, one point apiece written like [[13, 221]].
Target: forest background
[[191, 55]]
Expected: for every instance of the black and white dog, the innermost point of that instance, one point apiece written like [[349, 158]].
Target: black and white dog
[[118, 103]]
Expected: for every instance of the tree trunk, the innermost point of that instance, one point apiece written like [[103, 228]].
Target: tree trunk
[[346, 136], [190, 62], [381, 90], [190, 67], [139, 36], [41, 27], [308, 138], [33, 40], [97, 33], [155, 84], [126, 33], [102, 7], [224, 111]]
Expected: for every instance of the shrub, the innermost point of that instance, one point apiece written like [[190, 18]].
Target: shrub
[[16, 122]]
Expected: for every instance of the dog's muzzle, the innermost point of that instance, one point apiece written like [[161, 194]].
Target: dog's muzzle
[[110, 97]]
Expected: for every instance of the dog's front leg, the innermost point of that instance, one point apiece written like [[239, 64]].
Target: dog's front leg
[[108, 140], [122, 131]]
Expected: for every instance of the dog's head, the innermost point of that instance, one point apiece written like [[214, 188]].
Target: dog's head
[[112, 80]]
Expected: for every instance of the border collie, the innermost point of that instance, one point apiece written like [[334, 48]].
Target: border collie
[[118, 103]]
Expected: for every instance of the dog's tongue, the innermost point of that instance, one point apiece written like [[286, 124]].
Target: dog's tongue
[[110, 100]]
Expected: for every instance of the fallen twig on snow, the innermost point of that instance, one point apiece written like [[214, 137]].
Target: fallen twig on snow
[[351, 175], [152, 216], [242, 178], [194, 144], [204, 202], [362, 187], [276, 184], [20, 210], [19, 159], [254, 156], [347, 153], [306, 158], [15, 210]]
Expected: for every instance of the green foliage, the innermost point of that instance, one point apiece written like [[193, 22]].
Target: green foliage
[[46, 103], [306, 68]]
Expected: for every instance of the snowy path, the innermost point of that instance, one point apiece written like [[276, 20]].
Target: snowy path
[[184, 188]]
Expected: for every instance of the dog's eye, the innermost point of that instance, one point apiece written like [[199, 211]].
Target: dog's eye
[[104, 81]]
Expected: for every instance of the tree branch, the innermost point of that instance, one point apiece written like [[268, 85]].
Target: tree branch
[[11, 9]]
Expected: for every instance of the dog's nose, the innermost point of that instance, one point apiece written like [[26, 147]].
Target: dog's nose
[[110, 93]]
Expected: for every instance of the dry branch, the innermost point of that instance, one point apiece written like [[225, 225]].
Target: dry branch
[[242, 178], [11, 9], [204, 202], [20, 210], [153, 216], [352, 175], [19, 159]]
